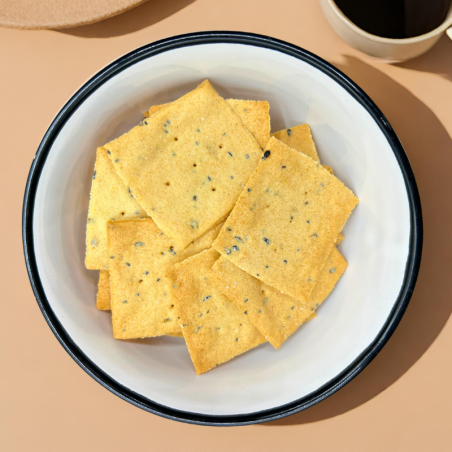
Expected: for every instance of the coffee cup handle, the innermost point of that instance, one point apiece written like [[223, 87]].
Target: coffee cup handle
[[449, 32]]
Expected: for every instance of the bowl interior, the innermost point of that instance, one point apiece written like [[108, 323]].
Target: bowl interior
[[376, 243]]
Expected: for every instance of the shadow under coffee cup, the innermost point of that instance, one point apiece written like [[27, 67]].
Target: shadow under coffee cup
[[389, 49]]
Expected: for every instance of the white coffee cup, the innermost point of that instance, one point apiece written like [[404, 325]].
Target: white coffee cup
[[392, 50]]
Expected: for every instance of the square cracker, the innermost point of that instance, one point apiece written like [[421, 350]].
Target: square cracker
[[188, 163], [277, 316], [255, 116], [286, 221], [299, 138], [140, 255], [109, 200], [103, 296], [214, 329]]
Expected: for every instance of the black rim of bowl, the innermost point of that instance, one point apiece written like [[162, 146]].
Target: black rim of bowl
[[148, 51]]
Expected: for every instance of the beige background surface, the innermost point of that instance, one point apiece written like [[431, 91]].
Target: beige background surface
[[401, 402]]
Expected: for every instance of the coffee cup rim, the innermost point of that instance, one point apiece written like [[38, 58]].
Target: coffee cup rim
[[404, 41]]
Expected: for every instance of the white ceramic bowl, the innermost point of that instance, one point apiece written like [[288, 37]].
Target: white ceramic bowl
[[382, 245]]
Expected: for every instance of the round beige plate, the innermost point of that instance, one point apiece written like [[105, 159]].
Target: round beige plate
[[42, 14]]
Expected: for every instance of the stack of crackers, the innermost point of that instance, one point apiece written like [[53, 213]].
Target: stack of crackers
[[206, 226]]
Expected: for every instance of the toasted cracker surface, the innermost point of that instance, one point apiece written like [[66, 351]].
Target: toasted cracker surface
[[110, 199], [299, 138], [187, 163], [277, 316], [103, 291], [140, 255], [286, 221], [254, 114], [214, 328], [103, 296], [330, 274]]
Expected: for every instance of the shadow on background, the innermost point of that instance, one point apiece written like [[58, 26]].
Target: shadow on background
[[135, 19], [438, 60], [429, 148]]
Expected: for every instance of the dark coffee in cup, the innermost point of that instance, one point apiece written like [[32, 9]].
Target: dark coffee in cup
[[396, 19]]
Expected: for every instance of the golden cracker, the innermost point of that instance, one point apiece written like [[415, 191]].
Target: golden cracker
[[103, 291], [140, 255], [103, 296], [188, 162], [215, 330], [286, 221], [330, 274], [254, 114], [109, 200], [299, 138]]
